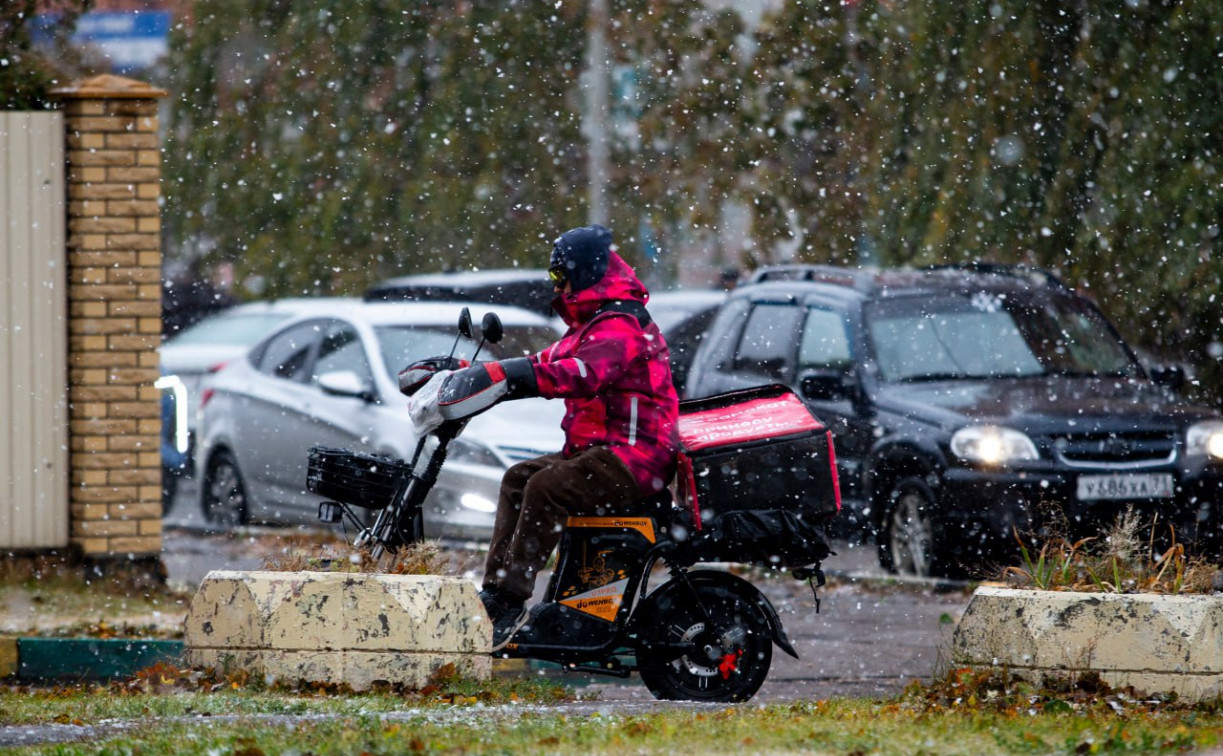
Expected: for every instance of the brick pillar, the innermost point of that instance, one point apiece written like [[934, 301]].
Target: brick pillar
[[114, 315]]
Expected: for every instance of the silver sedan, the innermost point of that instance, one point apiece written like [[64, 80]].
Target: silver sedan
[[330, 380]]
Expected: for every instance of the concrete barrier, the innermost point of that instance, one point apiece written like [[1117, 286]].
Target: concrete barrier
[[1156, 643], [345, 628]]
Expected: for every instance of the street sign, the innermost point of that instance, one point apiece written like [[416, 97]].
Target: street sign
[[130, 41]]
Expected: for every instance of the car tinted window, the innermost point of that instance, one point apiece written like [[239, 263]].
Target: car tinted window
[[989, 335], [725, 333], [683, 341], [1070, 337], [287, 354], [341, 349], [824, 344], [767, 344], [401, 345]]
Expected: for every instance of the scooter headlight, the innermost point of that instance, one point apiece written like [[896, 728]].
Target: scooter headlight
[[992, 445], [1205, 439]]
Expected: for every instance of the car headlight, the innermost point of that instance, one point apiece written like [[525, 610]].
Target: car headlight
[[992, 445], [470, 453], [1205, 439], [478, 503]]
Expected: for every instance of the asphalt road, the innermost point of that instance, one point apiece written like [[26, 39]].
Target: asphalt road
[[871, 636]]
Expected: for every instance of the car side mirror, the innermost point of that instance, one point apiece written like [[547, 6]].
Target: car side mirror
[[345, 383], [772, 368], [1171, 376], [826, 385]]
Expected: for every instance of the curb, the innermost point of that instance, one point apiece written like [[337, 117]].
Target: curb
[[80, 659], [358, 629], [1158, 643]]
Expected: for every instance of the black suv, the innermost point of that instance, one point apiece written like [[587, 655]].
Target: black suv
[[969, 403]]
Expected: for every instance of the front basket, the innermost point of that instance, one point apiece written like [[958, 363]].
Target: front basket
[[361, 480]]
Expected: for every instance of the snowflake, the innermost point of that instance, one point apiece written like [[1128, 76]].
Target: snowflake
[[986, 302]]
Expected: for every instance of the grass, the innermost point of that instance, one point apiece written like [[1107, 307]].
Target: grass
[[1124, 560], [169, 711], [165, 691], [57, 596], [966, 713]]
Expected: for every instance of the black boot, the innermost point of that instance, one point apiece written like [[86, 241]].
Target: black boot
[[506, 613]]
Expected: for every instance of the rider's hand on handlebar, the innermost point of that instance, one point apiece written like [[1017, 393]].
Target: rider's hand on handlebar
[[415, 376], [423, 408]]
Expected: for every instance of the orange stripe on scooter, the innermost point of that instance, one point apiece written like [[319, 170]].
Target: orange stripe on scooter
[[643, 525]]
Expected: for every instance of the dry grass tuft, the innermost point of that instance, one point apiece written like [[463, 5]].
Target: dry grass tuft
[[423, 558], [1124, 560]]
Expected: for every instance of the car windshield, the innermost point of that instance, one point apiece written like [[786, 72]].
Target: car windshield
[[401, 345], [992, 335], [230, 329]]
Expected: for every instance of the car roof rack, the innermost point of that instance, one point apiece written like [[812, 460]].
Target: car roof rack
[[861, 279], [870, 279], [1010, 270]]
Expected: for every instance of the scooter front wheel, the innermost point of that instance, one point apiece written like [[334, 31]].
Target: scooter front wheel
[[728, 645]]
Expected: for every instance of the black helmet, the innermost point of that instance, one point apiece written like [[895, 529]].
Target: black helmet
[[580, 257]]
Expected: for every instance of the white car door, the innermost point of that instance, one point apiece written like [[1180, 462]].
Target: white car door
[[270, 418], [347, 422]]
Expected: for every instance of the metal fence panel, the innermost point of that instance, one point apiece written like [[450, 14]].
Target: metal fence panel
[[34, 510]]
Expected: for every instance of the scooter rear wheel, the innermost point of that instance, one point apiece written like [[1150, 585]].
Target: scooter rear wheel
[[733, 647]]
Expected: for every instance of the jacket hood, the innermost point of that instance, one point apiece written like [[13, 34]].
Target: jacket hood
[[619, 283]]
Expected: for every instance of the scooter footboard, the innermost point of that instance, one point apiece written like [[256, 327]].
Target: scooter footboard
[[599, 569]]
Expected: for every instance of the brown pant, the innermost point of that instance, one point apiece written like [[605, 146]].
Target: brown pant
[[536, 498]]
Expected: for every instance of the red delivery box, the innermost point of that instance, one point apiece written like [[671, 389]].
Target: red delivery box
[[755, 449]]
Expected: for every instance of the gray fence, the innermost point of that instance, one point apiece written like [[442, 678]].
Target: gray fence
[[34, 475]]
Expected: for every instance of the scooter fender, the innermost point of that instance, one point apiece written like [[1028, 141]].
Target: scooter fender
[[735, 584]]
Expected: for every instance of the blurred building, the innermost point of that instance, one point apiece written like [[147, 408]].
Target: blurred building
[[126, 37]]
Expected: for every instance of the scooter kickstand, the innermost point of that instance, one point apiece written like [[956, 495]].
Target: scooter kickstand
[[614, 669], [815, 579]]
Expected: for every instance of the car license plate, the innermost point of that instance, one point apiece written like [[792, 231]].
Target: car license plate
[[1125, 486]]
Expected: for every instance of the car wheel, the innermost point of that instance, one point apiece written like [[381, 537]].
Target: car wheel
[[908, 540], [224, 493]]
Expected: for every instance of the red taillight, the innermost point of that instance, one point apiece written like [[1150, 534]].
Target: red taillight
[[215, 368], [205, 395]]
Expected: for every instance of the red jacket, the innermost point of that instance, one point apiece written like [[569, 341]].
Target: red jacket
[[615, 378]]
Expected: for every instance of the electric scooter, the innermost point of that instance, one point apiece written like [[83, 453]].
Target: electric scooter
[[702, 635]]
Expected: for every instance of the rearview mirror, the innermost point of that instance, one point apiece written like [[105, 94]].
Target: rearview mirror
[[491, 326], [465, 322], [345, 383], [1171, 376], [825, 385]]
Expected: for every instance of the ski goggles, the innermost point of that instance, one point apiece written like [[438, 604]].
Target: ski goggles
[[558, 275]]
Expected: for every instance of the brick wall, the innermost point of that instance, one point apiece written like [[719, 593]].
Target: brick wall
[[114, 315]]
